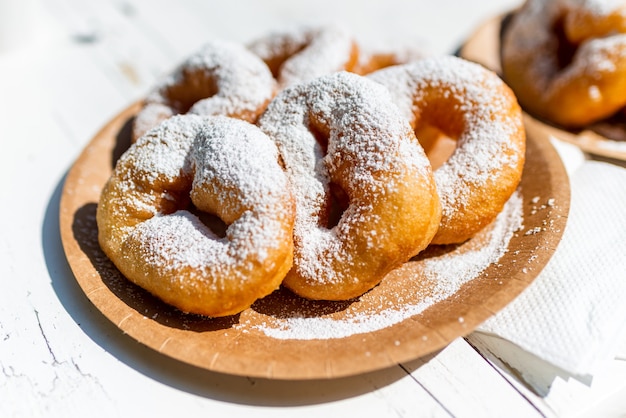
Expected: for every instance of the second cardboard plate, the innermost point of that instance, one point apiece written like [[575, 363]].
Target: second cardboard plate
[[444, 293]]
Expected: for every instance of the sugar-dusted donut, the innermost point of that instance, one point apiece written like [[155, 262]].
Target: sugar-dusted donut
[[566, 59], [302, 54], [223, 166], [468, 103], [341, 133], [222, 78]]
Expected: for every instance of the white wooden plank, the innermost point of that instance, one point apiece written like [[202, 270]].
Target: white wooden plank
[[179, 27], [395, 19], [129, 56], [85, 83], [94, 97], [459, 379], [35, 380]]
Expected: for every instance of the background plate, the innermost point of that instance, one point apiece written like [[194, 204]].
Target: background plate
[[483, 47], [284, 337]]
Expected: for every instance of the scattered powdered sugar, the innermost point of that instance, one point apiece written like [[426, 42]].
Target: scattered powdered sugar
[[594, 93], [448, 272], [451, 271]]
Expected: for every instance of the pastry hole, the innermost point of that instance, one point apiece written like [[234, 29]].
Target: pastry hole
[[276, 63], [195, 87], [211, 221], [437, 145], [339, 202], [338, 199], [566, 49], [320, 136]]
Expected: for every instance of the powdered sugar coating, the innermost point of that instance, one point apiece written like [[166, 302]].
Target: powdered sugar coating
[[372, 156], [222, 78], [226, 167], [478, 113], [304, 53], [224, 188]]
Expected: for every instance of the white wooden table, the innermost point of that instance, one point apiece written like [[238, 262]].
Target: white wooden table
[[79, 64]]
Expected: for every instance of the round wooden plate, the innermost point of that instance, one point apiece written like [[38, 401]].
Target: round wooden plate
[[483, 47], [413, 312]]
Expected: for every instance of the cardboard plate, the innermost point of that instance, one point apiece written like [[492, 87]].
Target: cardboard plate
[[410, 314], [605, 138]]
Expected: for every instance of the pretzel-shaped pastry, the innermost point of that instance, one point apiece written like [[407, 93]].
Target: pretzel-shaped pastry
[[225, 167], [342, 133]]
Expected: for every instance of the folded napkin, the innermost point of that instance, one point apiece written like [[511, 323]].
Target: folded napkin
[[573, 316]]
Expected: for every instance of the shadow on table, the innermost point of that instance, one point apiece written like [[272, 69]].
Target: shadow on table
[[179, 375]]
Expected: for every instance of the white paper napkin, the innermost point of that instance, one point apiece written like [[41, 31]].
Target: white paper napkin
[[574, 314]]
